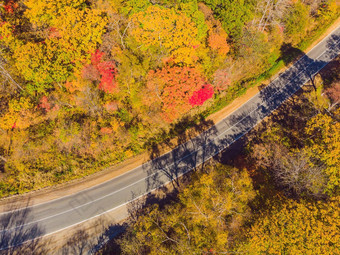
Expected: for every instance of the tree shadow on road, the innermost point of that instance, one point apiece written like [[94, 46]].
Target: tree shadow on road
[[163, 168], [183, 156], [17, 235], [331, 73], [290, 82], [288, 53]]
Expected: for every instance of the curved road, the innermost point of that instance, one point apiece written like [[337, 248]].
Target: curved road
[[26, 224]]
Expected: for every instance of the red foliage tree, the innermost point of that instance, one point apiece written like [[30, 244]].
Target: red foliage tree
[[105, 71], [53, 32], [96, 57], [172, 88], [10, 6], [106, 130], [47, 105], [202, 95], [44, 104]]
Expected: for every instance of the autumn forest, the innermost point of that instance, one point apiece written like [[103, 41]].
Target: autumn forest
[[86, 84]]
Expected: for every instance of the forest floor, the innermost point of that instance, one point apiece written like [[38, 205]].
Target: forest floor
[[58, 191]]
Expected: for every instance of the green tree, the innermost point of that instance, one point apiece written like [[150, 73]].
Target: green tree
[[233, 14], [131, 7], [190, 8], [297, 21]]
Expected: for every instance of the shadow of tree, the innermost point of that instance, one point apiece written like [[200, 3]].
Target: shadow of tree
[[288, 53], [189, 149], [136, 208], [303, 70], [292, 80], [78, 243], [331, 73], [17, 236], [188, 155], [91, 240], [291, 116]]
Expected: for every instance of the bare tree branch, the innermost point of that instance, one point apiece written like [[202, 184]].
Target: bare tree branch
[[3, 159]]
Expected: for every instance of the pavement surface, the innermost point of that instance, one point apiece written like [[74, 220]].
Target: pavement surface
[[31, 222]]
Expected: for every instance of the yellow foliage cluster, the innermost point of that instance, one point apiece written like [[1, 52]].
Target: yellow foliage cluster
[[6, 30], [20, 114], [73, 32], [74, 24], [44, 12], [200, 222], [218, 42], [166, 29], [325, 145], [297, 228]]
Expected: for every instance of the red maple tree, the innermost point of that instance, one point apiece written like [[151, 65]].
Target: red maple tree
[[103, 71], [202, 95], [172, 88], [10, 6], [108, 72], [96, 57], [44, 104]]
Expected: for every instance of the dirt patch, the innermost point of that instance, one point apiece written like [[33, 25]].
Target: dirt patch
[[57, 191]]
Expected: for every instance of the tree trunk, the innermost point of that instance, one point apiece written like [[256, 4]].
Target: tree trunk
[[6, 74], [3, 159]]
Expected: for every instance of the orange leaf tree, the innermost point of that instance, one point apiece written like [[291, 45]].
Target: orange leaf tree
[[172, 88]]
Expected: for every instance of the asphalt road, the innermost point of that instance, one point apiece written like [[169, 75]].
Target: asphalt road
[[25, 224]]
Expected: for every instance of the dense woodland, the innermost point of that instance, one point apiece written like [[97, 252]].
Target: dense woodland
[[86, 84], [278, 195]]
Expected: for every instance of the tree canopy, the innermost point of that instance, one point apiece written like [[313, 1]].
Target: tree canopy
[[309, 228], [201, 221]]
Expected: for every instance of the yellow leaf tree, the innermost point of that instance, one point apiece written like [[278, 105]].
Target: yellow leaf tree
[[20, 114], [324, 146], [67, 31], [208, 212], [166, 30], [296, 228]]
